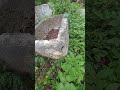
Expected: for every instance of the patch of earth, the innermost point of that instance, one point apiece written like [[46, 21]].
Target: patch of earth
[[52, 34]]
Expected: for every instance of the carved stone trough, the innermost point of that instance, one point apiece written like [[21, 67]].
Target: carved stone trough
[[52, 38]]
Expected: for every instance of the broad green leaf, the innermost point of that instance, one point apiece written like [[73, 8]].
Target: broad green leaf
[[81, 63], [61, 76], [60, 86]]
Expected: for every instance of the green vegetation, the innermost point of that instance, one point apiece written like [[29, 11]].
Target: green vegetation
[[66, 73], [15, 81], [102, 45], [38, 2]]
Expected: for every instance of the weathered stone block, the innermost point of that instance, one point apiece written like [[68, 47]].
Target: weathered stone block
[[48, 46]]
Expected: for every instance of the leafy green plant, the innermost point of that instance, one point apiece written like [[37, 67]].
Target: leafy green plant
[[73, 65], [62, 6], [67, 73], [102, 47], [38, 2], [10, 80]]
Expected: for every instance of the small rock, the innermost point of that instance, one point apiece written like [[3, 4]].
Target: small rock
[[42, 11]]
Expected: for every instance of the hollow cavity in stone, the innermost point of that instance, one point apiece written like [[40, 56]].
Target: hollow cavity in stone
[[52, 34]]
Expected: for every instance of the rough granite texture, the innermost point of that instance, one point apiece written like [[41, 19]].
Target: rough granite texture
[[53, 48]]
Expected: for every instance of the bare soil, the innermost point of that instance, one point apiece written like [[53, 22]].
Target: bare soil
[[52, 34]]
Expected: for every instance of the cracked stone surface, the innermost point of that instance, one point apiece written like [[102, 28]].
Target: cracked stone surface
[[53, 48]]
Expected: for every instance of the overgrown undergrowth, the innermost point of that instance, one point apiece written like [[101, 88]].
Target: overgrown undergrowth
[[68, 72]]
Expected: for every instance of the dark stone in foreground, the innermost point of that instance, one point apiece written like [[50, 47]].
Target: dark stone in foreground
[[17, 52]]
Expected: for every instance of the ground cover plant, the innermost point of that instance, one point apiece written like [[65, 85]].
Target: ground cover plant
[[64, 74], [68, 72], [12, 80], [102, 45]]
